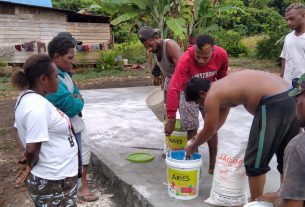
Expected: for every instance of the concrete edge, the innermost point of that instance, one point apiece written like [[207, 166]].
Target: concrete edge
[[105, 174]]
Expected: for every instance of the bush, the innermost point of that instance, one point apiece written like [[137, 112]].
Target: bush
[[107, 61], [133, 51], [231, 41], [121, 33], [251, 43], [276, 29], [113, 59]]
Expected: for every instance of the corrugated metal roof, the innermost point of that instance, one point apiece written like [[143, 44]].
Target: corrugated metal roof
[[44, 3]]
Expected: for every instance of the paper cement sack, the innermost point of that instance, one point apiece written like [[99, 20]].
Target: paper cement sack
[[229, 185]]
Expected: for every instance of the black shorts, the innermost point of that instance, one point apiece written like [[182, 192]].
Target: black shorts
[[274, 125]]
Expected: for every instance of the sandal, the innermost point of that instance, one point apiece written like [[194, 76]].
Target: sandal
[[90, 197]]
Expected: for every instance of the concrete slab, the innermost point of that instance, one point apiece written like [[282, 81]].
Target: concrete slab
[[118, 120]]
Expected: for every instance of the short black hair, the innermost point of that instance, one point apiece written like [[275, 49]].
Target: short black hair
[[194, 86], [201, 40], [60, 45]]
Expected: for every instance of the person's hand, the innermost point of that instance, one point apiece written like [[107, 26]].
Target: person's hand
[[22, 175], [169, 126], [190, 148]]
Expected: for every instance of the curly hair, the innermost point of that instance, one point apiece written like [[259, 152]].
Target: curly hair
[[295, 6], [60, 45]]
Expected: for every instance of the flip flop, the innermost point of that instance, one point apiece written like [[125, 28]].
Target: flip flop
[[90, 197]]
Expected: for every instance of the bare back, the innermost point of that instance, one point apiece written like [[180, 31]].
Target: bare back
[[246, 88]]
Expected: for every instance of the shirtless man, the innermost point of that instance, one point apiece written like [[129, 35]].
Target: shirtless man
[[266, 97]]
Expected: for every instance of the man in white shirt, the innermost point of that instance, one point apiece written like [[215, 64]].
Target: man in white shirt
[[293, 53]]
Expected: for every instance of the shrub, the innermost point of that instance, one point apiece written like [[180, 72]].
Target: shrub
[[121, 33], [107, 61], [113, 59], [133, 51], [231, 41], [251, 43], [270, 47]]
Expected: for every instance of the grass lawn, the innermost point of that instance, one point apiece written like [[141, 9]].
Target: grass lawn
[[90, 73], [253, 63]]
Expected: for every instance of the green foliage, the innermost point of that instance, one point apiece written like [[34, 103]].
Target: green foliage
[[113, 59], [133, 51], [2, 62], [121, 33], [75, 5], [251, 43], [270, 47], [107, 61], [231, 41]]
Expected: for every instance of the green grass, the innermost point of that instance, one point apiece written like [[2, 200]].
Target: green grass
[[92, 74], [253, 63], [6, 89]]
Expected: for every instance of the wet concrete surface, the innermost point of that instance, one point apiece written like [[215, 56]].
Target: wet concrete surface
[[118, 120]]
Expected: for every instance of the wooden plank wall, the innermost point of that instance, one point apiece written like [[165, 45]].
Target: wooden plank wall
[[36, 24], [89, 33], [29, 24]]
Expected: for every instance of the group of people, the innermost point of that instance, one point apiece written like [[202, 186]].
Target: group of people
[[198, 80], [48, 119], [48, 113]]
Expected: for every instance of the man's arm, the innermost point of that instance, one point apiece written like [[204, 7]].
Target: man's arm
[[177, 82], [283, 56], [282, 68], [173, 51], [214, 119]]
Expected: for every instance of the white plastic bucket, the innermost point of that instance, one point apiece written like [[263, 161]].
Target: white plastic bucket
[[183, 176], [154, 101], [177, 140], [258, 204]]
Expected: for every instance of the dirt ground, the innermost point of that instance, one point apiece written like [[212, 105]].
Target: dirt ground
[[10, 196]]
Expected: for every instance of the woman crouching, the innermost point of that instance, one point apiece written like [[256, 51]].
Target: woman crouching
[[45, 132]]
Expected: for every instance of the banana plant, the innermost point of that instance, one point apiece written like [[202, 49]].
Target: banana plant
[[163, 14], [175, 18]]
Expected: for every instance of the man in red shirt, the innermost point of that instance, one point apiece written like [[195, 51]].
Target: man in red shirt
[[204, 60]]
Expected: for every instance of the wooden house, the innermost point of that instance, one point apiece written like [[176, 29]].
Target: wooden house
[[24, 23]]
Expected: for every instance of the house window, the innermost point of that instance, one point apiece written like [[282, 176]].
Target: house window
[[7, 9]]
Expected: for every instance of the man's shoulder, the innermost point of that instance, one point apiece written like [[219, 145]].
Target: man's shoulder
[[298, 142], [289, 36]]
